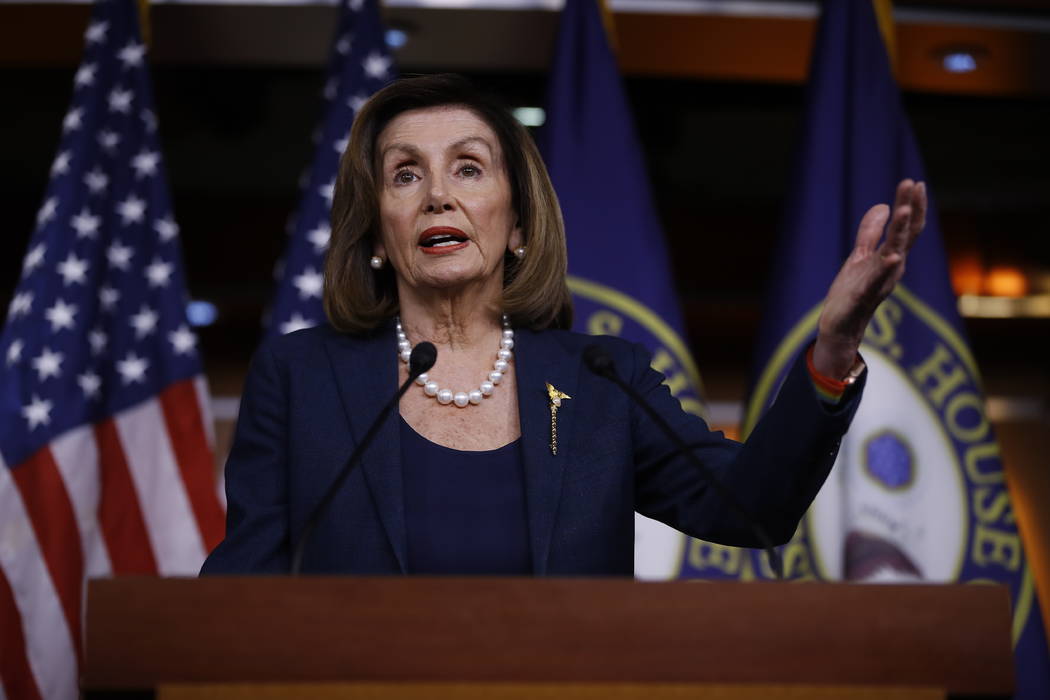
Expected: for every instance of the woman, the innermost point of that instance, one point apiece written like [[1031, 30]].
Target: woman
[[446, 229]]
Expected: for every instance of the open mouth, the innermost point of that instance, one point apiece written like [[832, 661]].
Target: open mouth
[[442, 238]]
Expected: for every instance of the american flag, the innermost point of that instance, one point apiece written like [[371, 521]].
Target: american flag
[[360, 64], [105, 441]]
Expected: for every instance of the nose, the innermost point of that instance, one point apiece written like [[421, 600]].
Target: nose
[[437, 198]]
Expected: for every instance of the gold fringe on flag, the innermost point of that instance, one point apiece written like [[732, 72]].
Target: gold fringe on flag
[[144, 22], [610, 25], [884, 16]]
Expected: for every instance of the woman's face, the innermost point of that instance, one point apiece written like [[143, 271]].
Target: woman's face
[[444, 199]]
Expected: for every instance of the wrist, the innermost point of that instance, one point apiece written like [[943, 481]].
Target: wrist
[[834, 358]]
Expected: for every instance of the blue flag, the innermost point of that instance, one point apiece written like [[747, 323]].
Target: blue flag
[[360, 64], [917, 493], [619, 273]]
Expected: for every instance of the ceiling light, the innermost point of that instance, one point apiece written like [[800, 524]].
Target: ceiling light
[[201, 313], [530, 116], [959, 62], [396, 38]]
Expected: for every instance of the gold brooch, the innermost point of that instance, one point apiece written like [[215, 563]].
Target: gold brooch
[[556, 399]]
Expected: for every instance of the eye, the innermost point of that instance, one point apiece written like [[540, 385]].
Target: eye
[[470, 171], [405, 177]]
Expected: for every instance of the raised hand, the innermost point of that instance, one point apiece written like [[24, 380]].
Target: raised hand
[[867, 277]]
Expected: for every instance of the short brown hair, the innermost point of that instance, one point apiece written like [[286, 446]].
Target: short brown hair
[[357, 298]]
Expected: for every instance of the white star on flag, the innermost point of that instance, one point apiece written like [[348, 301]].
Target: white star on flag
[[144, 322], [340, 144], [96, 180], [343, 45], [158, 273], [72, 119], [90, 383], [96, 32], [183, 340], [60, 315], [329, 90], [73, 269], [47, 211], [166, 228], [356, 5], [33, 259], [145, 163], [131, 55], [327, 191], [132, 368], [295, 323], [85, 75], [319, 237], [107, 296], [14, 351], [20, 304], [85, 224], [38, 412], [60, 166], [108, 140], [119, 256], [149, 119], [120, 100], [377, 65], [47, 364], [131, 210], [356, 102], [97, 338], [309, 283]]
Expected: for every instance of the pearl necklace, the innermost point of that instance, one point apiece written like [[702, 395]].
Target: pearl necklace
[[460, 399]]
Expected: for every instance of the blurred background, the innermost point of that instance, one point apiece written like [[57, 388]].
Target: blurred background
[[717, 92]]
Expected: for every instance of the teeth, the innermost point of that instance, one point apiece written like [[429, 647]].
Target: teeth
[[435, 241]]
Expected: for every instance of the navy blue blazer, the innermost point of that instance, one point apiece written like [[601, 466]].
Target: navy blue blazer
[[311, 394]]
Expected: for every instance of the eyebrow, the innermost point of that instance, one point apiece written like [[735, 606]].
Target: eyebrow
[[415, 152], [462, 143], [406, 147]]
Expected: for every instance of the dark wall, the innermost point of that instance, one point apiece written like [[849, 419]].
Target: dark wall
[[719, 158]]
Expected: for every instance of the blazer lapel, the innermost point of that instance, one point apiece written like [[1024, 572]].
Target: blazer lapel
[[365, 371], [538, 360]]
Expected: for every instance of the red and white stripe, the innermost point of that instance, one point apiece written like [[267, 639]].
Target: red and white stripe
[[134, 494]]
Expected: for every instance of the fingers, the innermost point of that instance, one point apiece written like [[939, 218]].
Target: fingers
[[871, 227], [918, 216], [898, 237], [903, 195], [906, 221]]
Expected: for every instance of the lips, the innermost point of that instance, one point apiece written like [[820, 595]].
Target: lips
[[438, 240]]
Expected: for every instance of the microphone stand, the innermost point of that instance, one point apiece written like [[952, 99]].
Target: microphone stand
[[423, 357]]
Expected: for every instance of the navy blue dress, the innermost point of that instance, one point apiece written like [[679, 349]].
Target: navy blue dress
[[464, 511]]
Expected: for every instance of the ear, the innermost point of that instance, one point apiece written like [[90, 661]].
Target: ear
[[517, 238], [378, 248]]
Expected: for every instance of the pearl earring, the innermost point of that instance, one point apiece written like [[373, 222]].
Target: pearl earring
[[519, 252], [376, 262]]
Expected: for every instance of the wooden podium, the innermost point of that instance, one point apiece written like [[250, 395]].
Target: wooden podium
[[522, 638]]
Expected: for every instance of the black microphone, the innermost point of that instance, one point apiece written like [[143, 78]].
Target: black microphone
[[599, 362], [422, 358]]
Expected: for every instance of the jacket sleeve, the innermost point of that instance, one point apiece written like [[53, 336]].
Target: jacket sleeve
[[775, 474], [256, 477]]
